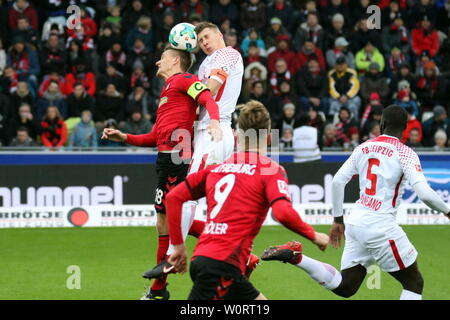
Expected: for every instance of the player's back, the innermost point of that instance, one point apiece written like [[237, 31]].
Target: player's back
[[226, 66], [383, 165], [238, 198]]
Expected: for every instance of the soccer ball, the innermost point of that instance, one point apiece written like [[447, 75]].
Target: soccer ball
[[183, 37]]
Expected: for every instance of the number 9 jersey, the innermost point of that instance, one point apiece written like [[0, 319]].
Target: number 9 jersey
[[383, 165]]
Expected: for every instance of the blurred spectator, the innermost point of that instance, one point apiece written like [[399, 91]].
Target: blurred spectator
[[20, 96], [404, 100], [334, 139], [115, 17], [24, 118], [5, 114], [163, 30], [52, 97], [336, 32], [286, 139], [345, 122], [281, 73], [192, 8], [9, 80], [140, 55], [253, 37], [375, 130], [109, 105], [26, 32], [307, 141], [430, 87], [403, 74], [132, 14], [75, 53], [373, 117], [54, 130], [277, 103], [22, 139], [355, 139], [312, 86], [53, 75], [344, 88], [24, 61], [107, 37], [81, 73], [143, 31], [374, 101], [368, 55], [116, 56], [394, 60], [84, 134], [395, 35], [140, 100], [440, 140], [413, 124], [53, 57], [317, 121], [424, 37], [137, 124], [275, 29], [359, 38], [112, 75], [259, 93], [310, 51], [334, 7], [420, 10], [282, 10], [359, 10], [340, 50], [392, 12], [439, 121], [288, 118], [86, 41], [224, 9], [284, 52], [374, 81], [310, 30], [78, 101], [2, 57], [254, 55], [22, 7], [413, 140], [254, 72], [253, 15], [231, 39]]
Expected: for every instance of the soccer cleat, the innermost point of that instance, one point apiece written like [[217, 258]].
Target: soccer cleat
[[162, 294], [290, 252], [252, 263], [159, 271]]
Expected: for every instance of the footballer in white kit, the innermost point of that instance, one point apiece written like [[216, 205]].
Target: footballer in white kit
[[372, 236], [222, 71]]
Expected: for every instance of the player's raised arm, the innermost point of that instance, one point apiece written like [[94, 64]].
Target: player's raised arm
[[284, 213], [413, 173], [340, 180]]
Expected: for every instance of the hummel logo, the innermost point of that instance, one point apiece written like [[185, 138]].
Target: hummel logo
[[168, 269]]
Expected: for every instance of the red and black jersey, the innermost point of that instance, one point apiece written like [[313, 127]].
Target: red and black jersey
[[177, 108], [239, 193]]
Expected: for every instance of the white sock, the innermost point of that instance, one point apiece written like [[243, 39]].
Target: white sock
[[409, 295], [187, 218], [326, 275]]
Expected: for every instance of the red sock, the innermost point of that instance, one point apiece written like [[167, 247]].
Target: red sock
[[163, 245], [197, 228]]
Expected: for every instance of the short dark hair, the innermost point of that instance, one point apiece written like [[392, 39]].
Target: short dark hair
[[395, 118], [22, 129], [185, 57], [205, 25]]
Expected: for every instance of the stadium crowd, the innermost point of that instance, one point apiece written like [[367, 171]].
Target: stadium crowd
[[320, 58]]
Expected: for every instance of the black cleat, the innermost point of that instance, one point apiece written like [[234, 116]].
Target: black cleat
[[159, 271], [162, 294], [290, 252]]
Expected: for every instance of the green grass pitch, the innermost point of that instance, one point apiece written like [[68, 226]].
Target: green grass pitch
[[34, 264]]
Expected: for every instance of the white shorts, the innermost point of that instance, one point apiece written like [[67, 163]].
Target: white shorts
[[207, 152], [387, 246]]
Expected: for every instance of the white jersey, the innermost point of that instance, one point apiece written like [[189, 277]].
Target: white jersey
[[226, 66], [383, 165]]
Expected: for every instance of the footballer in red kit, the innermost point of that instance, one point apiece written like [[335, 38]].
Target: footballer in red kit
[[239, 193], [172, 134]]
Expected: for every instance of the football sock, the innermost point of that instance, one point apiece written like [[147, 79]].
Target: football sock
[[197, 228], [409, 295], [163, 244], [325, 274], [187, 218]]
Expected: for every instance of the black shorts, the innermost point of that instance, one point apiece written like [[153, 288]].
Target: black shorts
[[169, 175], [218, 280]]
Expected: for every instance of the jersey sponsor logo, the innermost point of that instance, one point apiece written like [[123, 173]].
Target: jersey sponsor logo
[[196, 88], [418, 168], [246, 168], [282, 186], [216, 228], [374, 148], [225, 69], [162, 101], [370, 202]]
